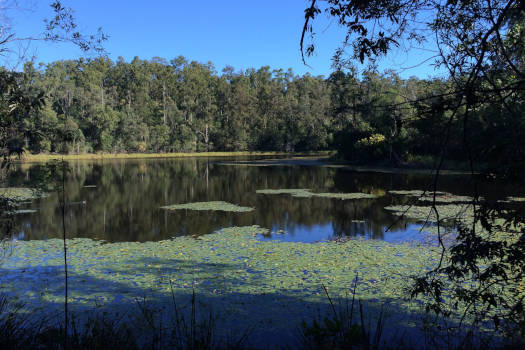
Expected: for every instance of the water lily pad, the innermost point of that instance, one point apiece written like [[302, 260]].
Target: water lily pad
[[446, 198], [19, 193], [346, 195], [428, 196], [515, 199], [446, 212], [275, 285], [305, 193], [414, 193], [295, 192], [25, 211], [214, 205]]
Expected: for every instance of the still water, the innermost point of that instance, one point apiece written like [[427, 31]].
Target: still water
[[120, 200]]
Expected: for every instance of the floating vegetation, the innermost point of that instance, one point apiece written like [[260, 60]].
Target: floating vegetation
[[295, 192], [306, 193], [214, 205], [272, 284], [317, 160], [514, 199], [278, 232], [424, 213], [243, 164], [25, 211], [19, 193], [345, 195], [428, 196], [446, 198], [414, 193], [391, 170]]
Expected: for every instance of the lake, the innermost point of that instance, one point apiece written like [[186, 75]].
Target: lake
[[120, 200], [263, 265]]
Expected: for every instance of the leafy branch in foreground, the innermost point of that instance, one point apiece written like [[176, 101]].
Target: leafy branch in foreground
[[480, 45], [483, 276], [61, 27]]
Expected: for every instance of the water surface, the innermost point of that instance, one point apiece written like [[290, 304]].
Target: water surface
[[120, 200]]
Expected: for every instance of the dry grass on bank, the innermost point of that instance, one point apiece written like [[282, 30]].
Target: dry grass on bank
[[96, 156]]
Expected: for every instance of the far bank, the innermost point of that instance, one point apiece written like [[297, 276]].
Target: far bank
[[90, 156]]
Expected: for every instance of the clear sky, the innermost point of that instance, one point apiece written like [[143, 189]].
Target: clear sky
[[242, 34]]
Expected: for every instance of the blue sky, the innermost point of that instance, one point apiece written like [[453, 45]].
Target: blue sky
[[242, 34]]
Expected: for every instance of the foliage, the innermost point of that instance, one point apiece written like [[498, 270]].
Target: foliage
[[61, 27], [491, 257], [154, 105], [480, 45]]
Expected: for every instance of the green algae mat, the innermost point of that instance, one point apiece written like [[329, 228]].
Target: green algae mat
[[271, 285], [306, 193], [423, 213], [513, 200], [19, 193], [428, 196], [214, 205]]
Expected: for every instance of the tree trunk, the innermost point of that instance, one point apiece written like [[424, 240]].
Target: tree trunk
[[102, 95], [206, 138], [164, 103]]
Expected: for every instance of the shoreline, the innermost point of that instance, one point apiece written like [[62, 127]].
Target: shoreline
[[28, 158], [294, 158]]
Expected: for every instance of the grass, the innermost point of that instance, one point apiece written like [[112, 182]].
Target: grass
[[96, 156]]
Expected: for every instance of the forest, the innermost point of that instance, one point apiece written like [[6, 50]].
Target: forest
[[97, 105]]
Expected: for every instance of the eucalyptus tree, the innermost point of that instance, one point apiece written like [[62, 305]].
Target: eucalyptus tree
[[242, 107], [198, 102], [312, 106]]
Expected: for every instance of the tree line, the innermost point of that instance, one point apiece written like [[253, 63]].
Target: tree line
[[97, 105]]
